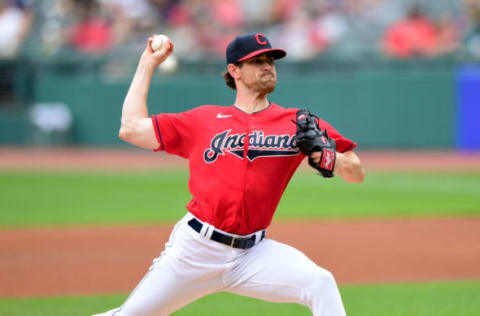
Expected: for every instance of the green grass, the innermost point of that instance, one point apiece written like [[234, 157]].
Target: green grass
[[86, 198], [423, 299], [435, 299], [384, 194]]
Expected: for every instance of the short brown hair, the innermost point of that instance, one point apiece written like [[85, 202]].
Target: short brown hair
[[229, 79]]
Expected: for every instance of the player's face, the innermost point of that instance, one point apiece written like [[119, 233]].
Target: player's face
[[258, 73]]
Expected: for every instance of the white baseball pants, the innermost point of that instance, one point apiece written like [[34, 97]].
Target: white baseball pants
[[192, 266]]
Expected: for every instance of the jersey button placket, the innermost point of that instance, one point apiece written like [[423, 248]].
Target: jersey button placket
[[251, 130], [246, 167]]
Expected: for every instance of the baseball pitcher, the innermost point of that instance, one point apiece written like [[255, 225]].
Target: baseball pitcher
[[241, 158]]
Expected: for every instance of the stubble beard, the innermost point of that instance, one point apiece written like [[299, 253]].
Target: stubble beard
[[264, 85]]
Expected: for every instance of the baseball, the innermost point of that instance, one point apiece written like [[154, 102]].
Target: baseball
[[158, 41], [169, 65]]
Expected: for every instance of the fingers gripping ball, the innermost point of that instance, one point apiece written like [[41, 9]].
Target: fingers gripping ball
[[158, 41], [310, 138]]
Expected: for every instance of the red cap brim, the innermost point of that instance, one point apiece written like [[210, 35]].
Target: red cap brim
[[276, 52]]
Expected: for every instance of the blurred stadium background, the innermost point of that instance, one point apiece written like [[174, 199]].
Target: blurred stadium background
[[377, 69], [397, 76]]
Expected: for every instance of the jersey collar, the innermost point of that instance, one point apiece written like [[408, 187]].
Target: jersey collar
[[254, 113]]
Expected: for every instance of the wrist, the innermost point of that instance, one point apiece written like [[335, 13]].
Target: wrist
[[145, 66], [328, 160]]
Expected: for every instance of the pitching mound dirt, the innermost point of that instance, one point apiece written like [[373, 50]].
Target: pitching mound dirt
[[38, 262]]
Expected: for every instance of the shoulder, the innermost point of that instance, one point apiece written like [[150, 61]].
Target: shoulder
[[194, 113], [291, 112], [208, 108], [275, 108]]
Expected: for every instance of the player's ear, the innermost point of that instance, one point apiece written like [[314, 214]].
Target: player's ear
[[234, 70]]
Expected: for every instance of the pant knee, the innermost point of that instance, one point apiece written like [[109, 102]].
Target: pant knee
[[322, 295], [320, 285], [321, 281]]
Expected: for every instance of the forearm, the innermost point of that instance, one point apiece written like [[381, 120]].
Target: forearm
[[349, 167], [135, 123], [136, 126], [135, 104]]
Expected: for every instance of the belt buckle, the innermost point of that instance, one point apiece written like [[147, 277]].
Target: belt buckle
[[244, 243]]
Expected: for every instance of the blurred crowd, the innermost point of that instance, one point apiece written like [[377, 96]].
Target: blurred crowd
[[16, 19], [202, 28]]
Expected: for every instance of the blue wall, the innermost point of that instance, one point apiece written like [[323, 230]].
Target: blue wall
[[468, 108]]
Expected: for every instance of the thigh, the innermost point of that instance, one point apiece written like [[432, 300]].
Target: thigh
[[275, 272], [187, 270], [163, 291]]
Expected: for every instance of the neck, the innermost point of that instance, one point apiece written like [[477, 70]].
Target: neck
[[251, 103]]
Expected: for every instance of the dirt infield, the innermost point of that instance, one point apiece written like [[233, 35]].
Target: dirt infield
[[110, 260], [36, 262]]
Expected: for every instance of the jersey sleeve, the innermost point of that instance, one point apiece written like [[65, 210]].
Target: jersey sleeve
[[343, 144], [175, 132]]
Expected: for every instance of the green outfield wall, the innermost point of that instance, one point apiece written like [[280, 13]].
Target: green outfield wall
[[399, 106]]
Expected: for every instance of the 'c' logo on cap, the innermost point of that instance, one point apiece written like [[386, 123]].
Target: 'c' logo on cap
[[261, 39]]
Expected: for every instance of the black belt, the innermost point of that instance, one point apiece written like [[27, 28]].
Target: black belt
[[235, 242]]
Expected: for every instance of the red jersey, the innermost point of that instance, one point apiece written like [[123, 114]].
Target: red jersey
[[240, 163]]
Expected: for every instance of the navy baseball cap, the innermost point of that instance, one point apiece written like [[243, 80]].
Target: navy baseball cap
[[250, 45]]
